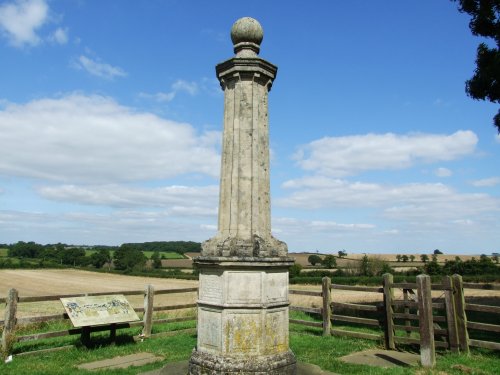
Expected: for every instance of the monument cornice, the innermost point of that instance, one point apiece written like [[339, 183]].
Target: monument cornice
[[241, 262], [239, 68]]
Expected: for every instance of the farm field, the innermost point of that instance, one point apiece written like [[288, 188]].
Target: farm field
[[68, 281]]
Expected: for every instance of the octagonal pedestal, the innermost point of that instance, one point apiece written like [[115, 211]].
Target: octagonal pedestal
[[243, 317]]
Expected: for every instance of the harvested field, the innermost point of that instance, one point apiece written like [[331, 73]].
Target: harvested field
[[55, 282], [67, 281]]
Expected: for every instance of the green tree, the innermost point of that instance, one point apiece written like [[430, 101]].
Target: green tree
[[100, 258], [74, 256], [485, 22], [314, 259], [404, 258], [412, 258], [364, 268], [437, 252], [433, 268], [128, 258], [295, 270], [342, 253], [424, 258], [329, 261], [398, 257], [156, 260], [25, 250]]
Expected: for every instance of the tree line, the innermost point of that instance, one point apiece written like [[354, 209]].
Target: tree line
[[128, 256]]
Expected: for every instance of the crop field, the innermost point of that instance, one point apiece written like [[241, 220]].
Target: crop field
[[67, 281]]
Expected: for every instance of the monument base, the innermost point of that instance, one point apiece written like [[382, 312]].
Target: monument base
[[243, 317], [210, 364]]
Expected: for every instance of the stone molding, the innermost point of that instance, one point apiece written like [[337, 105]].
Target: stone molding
[[206, 363], [236, 69]]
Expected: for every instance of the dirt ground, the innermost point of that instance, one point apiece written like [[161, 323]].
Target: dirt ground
[[56, 282]]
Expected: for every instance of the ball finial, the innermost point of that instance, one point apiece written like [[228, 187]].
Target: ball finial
[[246, 35]]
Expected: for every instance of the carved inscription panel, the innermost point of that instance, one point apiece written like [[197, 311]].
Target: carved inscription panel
[[211, 288], [276, 332], [244, 287], [276, 287], [243, 332], [209, 330]]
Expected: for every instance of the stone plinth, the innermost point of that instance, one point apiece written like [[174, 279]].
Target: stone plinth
[[243, 317]]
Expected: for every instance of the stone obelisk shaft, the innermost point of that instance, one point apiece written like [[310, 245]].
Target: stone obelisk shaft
[[244, 227]]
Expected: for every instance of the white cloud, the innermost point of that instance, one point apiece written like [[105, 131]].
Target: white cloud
[[179, 200], [428, 203], [189, 87], [99, 69], [332, 225], [443, 172], [20, 19], [486, 182], [343, 156], [180, 85], [94, 140], [111, 228], [60, 36]]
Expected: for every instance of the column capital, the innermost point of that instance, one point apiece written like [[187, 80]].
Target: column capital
[[240, 69]]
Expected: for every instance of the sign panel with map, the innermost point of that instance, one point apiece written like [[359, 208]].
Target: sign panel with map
[[99, 310]]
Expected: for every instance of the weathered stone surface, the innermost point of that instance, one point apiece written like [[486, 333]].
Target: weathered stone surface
[[244, 227], [181, 368], [243, 306], [209, 364], [243, 294], [138, 359]]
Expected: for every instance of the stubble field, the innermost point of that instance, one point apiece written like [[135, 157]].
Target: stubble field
[[57, 282]]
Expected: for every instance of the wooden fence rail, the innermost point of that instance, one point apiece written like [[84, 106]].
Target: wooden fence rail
[[425, 321], [11, 321], [416, 319]]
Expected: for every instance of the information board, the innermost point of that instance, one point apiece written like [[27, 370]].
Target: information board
[[99, 310]]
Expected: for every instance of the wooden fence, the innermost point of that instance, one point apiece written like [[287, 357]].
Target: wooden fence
[[416, 318], [9, 337]]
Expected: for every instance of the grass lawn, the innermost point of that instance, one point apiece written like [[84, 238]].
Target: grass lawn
[[307, 343]]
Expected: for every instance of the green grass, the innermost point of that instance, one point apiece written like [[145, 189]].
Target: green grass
[[4, 252], [307, 343]]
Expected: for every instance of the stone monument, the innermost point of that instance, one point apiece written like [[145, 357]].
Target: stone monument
[[243, 293]]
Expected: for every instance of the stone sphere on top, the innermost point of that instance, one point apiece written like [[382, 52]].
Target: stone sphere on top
[[246, 35], [247, 29]]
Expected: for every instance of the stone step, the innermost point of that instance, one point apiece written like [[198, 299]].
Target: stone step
[[138, 359]]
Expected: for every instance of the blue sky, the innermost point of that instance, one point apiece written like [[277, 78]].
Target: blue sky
[[111, 119]]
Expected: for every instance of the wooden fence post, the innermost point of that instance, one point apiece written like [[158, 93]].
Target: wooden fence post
[[449, 300], [389, 321], [426, 324], [460, 317], [327, 308], [148, 310], [407, 311], [8, 335]]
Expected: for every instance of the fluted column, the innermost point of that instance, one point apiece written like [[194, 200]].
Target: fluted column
[[244, 226]]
